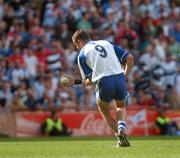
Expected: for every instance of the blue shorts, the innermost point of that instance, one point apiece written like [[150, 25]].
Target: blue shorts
[[112, 87]]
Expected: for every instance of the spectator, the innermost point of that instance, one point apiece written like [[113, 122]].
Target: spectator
[[31, 62], [66, 99], [9, 15], [71, 55], [1, 9], [3, 26], [161, 9], [111, 20], [49, 93], [177, 81], [160, 48], [161, 101], [135, 9], [5, 91], [55, 58], [174, 48], [17, 74], [39, 86], [145, 21], [5, 49], [37, 30], [3, 105], [17, 56], [111, 5], [89, 100], [125, 31], [140, 81], [3, 69], [145, 99], [176, 32], [76, 10], [108, 34], [65, 36], [169, 67], [49, 15], [17, 103], [172, 98], [174, 10], [31, 102], [149, 58], [165, 126], [41, 53], [124, 13], [84, 23], [145, 7], [53, 126], [71, 21], [157, 82], [95, 18]]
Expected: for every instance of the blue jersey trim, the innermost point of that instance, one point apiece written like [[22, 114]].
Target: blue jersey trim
[[120, 52], [86, 69]]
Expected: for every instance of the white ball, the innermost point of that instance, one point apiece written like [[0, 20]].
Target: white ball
[[64, 80]]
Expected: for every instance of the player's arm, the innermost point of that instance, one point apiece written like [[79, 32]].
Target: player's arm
[[85, 70], [86, 82], [128, 64], [68, 81], [124, 57]]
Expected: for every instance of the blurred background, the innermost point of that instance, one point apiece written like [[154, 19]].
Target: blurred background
[[36, 49]]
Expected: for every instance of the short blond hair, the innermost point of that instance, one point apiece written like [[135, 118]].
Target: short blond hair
[[80, 35]]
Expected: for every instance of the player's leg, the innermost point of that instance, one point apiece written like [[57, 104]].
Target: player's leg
[[120, 110], [104, 109], [121, 114], [120, 99], [105, 91], [121, 119]]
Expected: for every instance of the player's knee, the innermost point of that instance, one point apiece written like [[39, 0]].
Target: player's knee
[[105, 113], [120, 104], [103, 107]]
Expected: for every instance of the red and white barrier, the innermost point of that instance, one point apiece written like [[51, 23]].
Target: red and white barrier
[[140, 122]]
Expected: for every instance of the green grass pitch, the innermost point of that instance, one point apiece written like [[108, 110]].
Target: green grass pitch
[[96, 147]]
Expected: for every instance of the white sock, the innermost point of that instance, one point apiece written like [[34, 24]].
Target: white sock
[[121, 125]]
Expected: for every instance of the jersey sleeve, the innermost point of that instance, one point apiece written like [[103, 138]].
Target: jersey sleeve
[[85, 70], [120, 53]]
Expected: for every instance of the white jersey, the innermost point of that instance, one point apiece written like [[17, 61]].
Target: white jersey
[[100, 58]]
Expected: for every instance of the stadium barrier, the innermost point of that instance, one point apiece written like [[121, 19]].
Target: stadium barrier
[[27, 124], [7, 124]]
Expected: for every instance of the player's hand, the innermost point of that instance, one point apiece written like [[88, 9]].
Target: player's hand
[[87, 82], [67, 80]]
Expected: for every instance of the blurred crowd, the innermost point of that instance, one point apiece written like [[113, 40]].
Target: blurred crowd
[[36, 49]]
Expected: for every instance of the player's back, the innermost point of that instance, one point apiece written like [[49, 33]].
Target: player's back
[[101, 57]]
